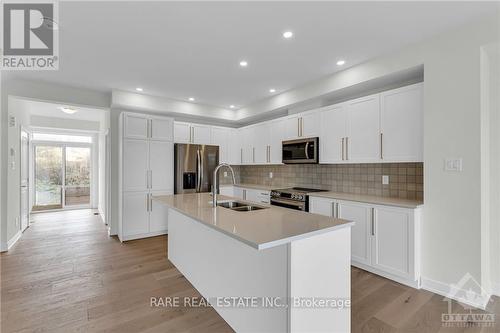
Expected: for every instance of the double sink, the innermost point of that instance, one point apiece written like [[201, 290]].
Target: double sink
[[239, 206]]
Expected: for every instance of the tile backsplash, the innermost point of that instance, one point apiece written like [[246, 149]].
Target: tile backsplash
[[405, 179]]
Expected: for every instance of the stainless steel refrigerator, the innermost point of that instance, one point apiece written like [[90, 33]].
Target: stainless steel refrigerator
[[194, 167]]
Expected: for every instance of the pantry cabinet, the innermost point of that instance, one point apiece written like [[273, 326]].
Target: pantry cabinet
[[146, 162], [384, 239]]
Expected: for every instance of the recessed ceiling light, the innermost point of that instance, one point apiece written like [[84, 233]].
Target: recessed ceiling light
[[340, 62], [191, 99], [287, 34], [232, 106], [243, 63], [272, 90], [139, 89], [68, 110]]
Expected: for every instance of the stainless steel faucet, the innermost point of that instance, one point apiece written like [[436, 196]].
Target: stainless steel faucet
[[214, 187]]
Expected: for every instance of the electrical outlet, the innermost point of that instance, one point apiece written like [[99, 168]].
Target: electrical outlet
[[270, 174], [453, 164], [385, 180]]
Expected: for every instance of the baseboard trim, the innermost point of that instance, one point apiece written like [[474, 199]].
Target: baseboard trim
[[408, 282], [13, 240], [147, 235], [456, 293]]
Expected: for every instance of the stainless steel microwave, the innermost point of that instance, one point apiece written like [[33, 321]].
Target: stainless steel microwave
[[301, 151]]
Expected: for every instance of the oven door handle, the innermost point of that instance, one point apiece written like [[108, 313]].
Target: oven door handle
[[299, 204]]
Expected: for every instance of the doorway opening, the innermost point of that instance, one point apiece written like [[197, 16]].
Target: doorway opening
[[62, 171]]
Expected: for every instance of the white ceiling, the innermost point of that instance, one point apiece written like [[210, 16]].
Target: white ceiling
[[183, 49]]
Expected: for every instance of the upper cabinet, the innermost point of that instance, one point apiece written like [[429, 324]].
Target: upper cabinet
[[362, 142], [192, 133], [384, 127], [141, 126], [276, 135], [221, 136], [401, 121], [302, 125]]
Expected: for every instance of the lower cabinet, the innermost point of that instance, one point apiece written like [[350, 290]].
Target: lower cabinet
[[384, 239], [142, 216]]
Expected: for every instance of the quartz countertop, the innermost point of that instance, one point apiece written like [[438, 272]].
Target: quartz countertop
[[261, 229], [371, 199]]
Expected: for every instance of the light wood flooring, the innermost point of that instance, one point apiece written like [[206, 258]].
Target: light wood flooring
[[66, 275]]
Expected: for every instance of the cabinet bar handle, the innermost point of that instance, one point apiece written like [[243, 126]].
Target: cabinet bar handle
[[253, 154], [241, 155], [337, 210], [333, 209], [342, 144], [301, 126], [298, 126], [373, 221], [381, 146], [150, 202], [347, 148], [147, 202], [150, 128]]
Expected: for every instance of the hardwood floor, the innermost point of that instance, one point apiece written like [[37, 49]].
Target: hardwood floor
[[66, 275]]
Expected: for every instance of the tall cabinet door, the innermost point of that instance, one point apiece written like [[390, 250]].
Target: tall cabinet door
[[277, 134], [135, 165], [135, 214], [360, 232], [161, 164], [201, 134], [401, 124], [220, 137], [135, 126], [363, 143], [333, 133], [261, 142], [182, 132], [310, 124], [158, 215], [391, 237], [161, 129]]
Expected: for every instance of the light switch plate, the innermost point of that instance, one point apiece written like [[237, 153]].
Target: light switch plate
[[385, 180], [453, 164], [225, 173]]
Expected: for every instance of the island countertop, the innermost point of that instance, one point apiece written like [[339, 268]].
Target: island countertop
[[261, 229]]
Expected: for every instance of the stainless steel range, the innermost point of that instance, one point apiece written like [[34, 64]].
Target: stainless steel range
[[293, 198]]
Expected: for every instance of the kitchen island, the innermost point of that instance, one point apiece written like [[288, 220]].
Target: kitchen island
[[267, 270]]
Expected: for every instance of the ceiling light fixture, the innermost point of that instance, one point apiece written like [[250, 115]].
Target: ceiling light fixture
[[68, 110], [340, 62], [231, 106], [243, 63], [272, 90], [287, 34], [191, 99], [139, 89]]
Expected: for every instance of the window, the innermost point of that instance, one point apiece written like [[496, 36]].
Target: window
[[62, 138]]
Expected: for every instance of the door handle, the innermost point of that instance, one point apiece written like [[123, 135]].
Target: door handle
[[147, 202], [150, 202], [147, 178], [298, 126], [342, 144], [198, 171], [373, 221], [241, 155], [333, 209], [306, 150], [381, 146], [150, 122], [347, 148], [301, 126]]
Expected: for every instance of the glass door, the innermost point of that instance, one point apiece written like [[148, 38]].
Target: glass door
[[77, 176], [48, 177], [62, 176]]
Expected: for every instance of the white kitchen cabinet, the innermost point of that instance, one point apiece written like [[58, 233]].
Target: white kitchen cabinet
[[135, 214], [385, 240], [161, 165], [161, 128], [360, 232], [226, 190], [201, 134], [392, 233], [363, 132], [158, 214], [401, 121], [221, 138], [239, 192], [333, 134], [235, 146], [305, 124], [247, 146], [136, 126], [276, 137], [146, 168], [260, 140], [256, 195], [192, 133], [135, 165], [182, 132]]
